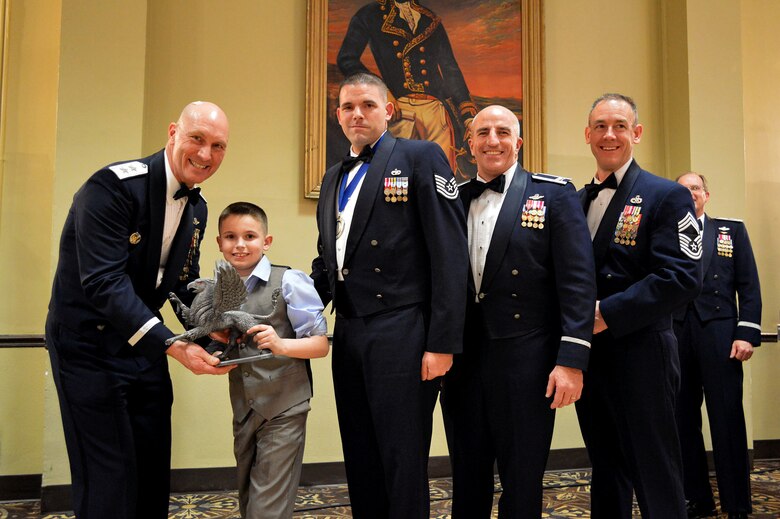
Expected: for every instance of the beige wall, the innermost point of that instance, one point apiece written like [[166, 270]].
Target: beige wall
[[124, 75], [761, 106], [25, 226]]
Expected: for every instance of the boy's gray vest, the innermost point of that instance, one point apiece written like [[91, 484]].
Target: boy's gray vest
[[273, 385]]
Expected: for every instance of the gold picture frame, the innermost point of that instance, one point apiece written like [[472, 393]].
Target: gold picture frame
[[316, 103]]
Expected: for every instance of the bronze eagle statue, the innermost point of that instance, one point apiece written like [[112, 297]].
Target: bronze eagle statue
[[216, 306]]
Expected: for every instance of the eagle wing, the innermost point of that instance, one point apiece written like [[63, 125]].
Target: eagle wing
[[229, 289]]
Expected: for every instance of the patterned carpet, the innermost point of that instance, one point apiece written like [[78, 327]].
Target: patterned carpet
[[566, 494]]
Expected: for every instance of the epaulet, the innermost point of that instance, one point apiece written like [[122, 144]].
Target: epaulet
[[729, 219], [129, 169], [544, 177]]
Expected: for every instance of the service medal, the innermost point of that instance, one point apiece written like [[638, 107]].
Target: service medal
[[339, 226]]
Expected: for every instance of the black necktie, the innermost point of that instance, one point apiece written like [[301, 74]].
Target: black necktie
[[497, 185], [594, 189], [365, 156], [193, 195]]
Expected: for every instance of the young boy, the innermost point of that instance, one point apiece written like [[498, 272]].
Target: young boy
[[270, 398]]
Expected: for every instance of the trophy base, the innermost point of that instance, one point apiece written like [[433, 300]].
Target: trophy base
[[264, 354]]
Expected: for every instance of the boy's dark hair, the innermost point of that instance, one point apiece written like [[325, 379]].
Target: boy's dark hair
[[245, 208]]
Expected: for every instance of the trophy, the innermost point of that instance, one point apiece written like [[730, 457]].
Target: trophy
[[216, 306]]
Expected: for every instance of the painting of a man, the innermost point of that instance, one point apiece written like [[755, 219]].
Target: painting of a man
[[406, 44], [413, 54]]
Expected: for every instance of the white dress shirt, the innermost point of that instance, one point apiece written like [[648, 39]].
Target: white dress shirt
[[173, 211], [483, 213], [599, 204], [349, 210]]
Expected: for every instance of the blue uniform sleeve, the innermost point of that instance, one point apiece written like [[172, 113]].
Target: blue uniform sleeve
[[575, 278], [102, 213], [444, 228], [304, 307], [748, 290]]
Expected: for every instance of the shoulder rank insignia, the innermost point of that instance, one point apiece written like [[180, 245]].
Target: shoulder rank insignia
[[129, 169], [534, 212], [725, 245], [544, 177], [690, 236], [135, 238], [447, 188], [627, 226]]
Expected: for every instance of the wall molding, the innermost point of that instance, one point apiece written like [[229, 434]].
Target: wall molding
[[22, 341]]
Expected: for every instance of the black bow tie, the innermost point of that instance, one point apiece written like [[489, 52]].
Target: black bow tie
[[193, 195], [497, 185], [593, 189], [365, 156]]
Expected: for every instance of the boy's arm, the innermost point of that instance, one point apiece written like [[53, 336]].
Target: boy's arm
[[311, 347], [304, 310]]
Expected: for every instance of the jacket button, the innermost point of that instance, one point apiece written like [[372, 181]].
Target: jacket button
[[345, 272], [517, 316], [379, 296], [395, 43], [717, 309], [101, 327], [481, 295], [717, 292], [422, 49], [377, 270], [514, 272], [374, 243], [715, 276], [514, 296], [399, 55], [609, 276]]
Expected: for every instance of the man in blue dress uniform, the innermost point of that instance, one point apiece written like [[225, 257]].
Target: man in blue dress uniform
[[716, 334], [131, 237], [647, 246], [393, 259], [529, 321]]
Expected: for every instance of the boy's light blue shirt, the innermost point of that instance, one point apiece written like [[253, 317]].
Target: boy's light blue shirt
[[304, 307]]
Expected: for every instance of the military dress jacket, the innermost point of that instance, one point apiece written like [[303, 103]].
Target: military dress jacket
[[647, 251], [539, 266], [730, 274], [410, 63], [407, 242], [109, 258]]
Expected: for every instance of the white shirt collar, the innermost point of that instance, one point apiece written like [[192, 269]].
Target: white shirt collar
[[509, 174], [619, 173], [173, 185], [353, 154]]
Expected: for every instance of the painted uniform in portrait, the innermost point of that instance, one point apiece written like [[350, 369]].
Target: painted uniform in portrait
[[646, 248], [728, 309], [400, 292], [415, 60]]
